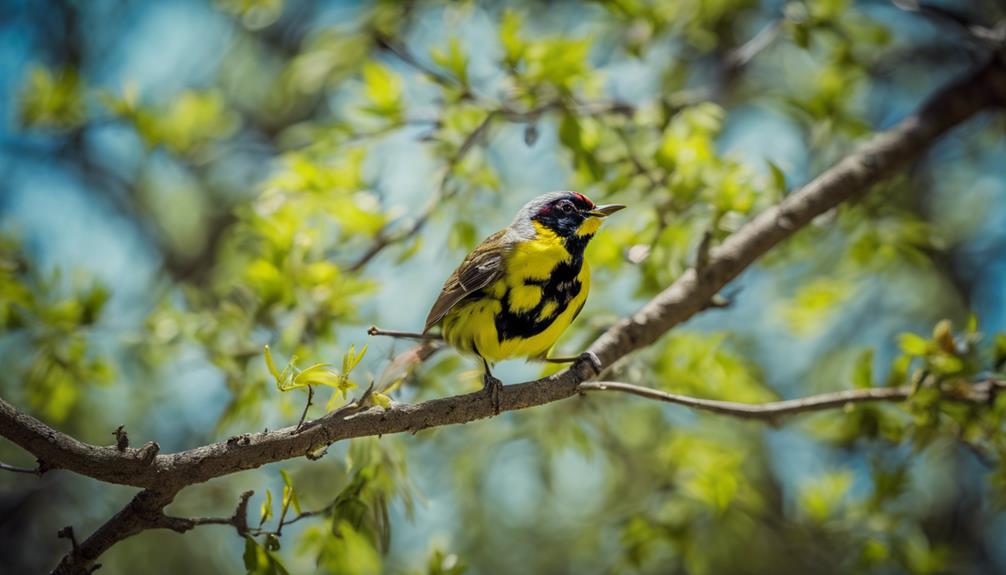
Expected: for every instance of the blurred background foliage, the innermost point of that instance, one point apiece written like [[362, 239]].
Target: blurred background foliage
[[188, 181]]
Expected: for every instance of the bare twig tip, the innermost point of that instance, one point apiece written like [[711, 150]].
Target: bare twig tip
[[38, 471], [121, 438]]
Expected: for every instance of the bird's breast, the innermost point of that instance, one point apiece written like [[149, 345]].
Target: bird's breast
[[542, 284], [543, 287]]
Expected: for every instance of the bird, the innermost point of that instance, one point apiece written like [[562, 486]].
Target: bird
[[518, 290]]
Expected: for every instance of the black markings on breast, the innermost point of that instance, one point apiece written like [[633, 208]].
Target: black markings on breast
[[560, 287]]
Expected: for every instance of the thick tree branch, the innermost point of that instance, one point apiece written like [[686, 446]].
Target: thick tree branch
[[142, 512], [855, 174], [162, 475], [56, 450]]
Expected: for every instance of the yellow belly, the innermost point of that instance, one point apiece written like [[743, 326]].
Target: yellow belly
[[471, 325]]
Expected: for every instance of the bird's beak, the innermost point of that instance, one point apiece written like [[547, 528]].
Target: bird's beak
[[605, 211]]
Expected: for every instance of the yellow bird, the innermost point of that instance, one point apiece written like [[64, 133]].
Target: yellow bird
[[518, 291]]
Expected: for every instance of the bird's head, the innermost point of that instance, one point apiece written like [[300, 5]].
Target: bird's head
[[566, 213]]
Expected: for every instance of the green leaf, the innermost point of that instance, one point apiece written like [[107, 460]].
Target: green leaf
[[251, 554], [383, 89], [778, 178], [569, 133], [359, 356], [944, 337], [913, 344], [463, 235], [289, 494], [317, 374], [52, 99], [816, 302], [1000, 351], [581, 138], [266, 508], [862, 375], [944, 364], [277, 565], [899, 370], [453, 59], [971, 326], [271, 364], [513, 45], [821, 499]]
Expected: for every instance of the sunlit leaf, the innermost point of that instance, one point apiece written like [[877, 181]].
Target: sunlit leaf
[[266, 512], [913, 344], [289, 493]]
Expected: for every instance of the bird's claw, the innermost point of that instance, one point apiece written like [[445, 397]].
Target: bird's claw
[[492, 386], [589, 359]]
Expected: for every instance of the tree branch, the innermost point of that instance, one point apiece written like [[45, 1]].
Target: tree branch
[[981, 392], [144, 511], [141, 513], [855, 174], [162, 475], [27, 470], [762, 40], [239, 520]]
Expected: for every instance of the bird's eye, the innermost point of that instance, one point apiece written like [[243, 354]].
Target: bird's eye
[[565, 206]]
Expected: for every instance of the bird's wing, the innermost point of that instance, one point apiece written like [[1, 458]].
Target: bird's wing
[[480, 268]]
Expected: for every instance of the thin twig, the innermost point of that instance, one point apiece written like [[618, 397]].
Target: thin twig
[[403, 53], [979, 392], [744, 53], [376, 331], [303, 415], [302, 515], [305, 514], [282, 515], [37, 471], [239, 520], [761, 411]]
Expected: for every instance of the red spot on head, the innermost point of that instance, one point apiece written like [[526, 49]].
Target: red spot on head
[[584, 200]]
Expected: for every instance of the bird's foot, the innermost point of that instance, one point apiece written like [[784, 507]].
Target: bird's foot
[[588, 365], [492, 386]]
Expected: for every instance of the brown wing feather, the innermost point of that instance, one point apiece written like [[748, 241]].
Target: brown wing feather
[[480, 268]]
